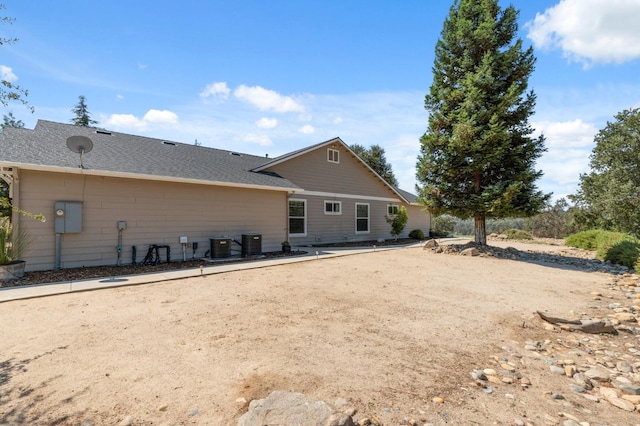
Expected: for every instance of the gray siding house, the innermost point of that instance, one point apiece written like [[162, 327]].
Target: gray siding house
[[137, 191]]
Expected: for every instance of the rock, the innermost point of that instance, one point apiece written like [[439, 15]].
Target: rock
[[597, 375], [625, 316], [471, 251], [577, 388], [438, 400], [127, 421], [634, 399], [489, 372], [569, 370], [430, 244], [623, 367], [282, 407], [163, 407], [494, 379], [612, 396], [478, 375], [583, 381], [557, 370], [630, 389], [622, 403]]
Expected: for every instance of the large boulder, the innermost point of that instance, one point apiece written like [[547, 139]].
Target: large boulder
[[290, 408]]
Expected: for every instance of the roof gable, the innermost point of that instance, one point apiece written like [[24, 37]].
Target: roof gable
[[403, 195]]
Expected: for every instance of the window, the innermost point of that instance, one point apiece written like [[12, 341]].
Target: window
[[332, 207], [362, 218], [333, 155], [393, 209], [297, 217]]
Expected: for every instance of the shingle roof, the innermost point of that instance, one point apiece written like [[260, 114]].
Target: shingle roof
[[123, 154]]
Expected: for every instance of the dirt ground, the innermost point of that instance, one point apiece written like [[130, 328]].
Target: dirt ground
[[388, 331]]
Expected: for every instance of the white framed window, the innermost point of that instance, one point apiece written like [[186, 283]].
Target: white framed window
[[333, 155], [393, 209], [332, 207], [362, 218], [297, 217]]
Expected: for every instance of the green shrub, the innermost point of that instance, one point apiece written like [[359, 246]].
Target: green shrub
[[606, 240], [616, 247], [625, 253], [416, 234], [586, 240], [518, 234]]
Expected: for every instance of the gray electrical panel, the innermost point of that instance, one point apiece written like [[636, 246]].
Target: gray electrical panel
[[68, 217]]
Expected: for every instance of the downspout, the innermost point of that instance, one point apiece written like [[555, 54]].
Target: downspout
[[286, 216]]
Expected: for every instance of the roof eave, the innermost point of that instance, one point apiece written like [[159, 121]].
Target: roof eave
[[124, 175]]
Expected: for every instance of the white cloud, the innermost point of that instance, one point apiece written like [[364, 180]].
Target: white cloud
[[261, 140], [569, 145], [216, 89], [590, 31], [7, 74], [267, 100], [337, 120], [119, 97], [125, 122], [307, 129], [129, 122], [164, 116], [267, 123], [566, 134]]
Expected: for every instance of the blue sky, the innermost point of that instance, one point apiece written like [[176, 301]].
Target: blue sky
[[269, 77]]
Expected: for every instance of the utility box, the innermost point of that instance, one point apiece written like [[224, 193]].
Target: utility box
[[251, 245], [68, 217], [220, 248]]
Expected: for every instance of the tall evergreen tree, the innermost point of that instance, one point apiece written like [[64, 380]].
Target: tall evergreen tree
[[478, 155], [83, 116], [376, 159]]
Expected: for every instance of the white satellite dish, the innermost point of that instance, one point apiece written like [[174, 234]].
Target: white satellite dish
[[80, 145]]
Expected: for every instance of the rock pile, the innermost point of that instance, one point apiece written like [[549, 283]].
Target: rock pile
[[571, 257]]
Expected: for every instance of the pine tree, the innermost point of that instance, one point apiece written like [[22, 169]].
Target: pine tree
[[478, 155], [375, 158], [83, 116]]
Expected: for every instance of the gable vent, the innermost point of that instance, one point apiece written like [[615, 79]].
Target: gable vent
[[103, 132], [169, 143]]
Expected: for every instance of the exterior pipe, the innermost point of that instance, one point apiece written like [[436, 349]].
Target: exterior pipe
[[58, 250]]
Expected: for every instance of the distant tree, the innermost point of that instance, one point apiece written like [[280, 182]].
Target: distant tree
[[477, 156], [555, 221], [609, 196], [397, 221], [9, 91], [8, 120], [375, 158], [83, 116], [443, 224]]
